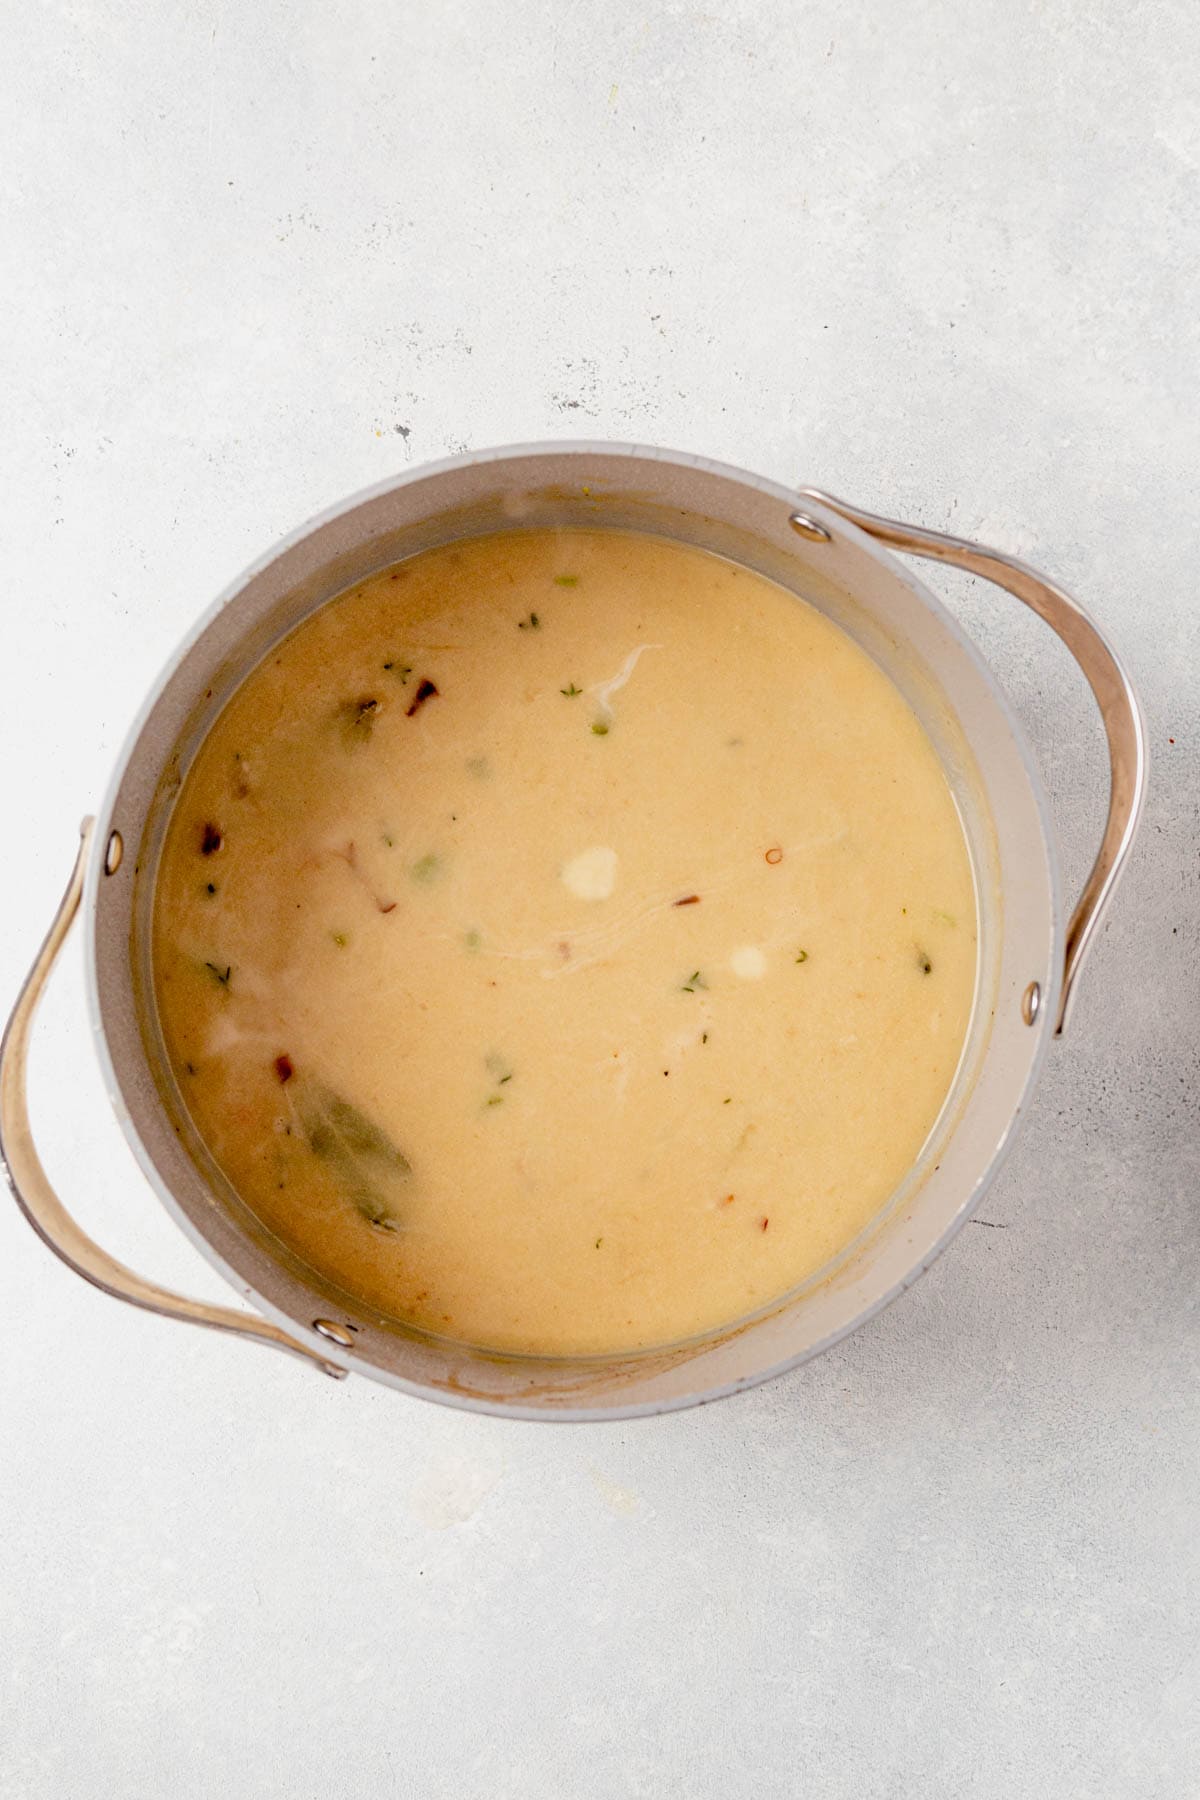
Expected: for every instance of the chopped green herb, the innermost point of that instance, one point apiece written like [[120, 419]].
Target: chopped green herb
[[600, 727], [427, 868], [494, 1100], [945, 917], [532, 623], [728, 1102], [220, 976], [356, 721], [801, 956], [570, 692], [497, 1068], [704, 1037], [473, 940], [340, 939], [923, 963], [389, 840], [599, 1241], [400, 670], [694, 981], [566, 581]]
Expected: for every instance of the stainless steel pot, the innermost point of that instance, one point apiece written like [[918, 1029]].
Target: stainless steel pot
[[835, 557]]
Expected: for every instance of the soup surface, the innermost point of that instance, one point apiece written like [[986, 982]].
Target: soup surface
[[565, 941]]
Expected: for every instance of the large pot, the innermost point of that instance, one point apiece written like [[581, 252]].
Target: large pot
[[1030, 948]]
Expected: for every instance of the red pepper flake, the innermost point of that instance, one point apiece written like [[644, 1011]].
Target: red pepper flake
[[283, 1068], [774, 854], [386, 906], [1170, 740], [763, 1223], [729, 1200], [210, 841], [425, 691], [688, 900]]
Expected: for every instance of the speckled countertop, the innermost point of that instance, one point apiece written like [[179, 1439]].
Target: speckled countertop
[[941, 259]]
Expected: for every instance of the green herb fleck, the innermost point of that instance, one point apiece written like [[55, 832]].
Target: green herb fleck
[[532, 623], [599, 1241], [426, 869], [400, 670], [923, 963], [340, 939], [566, 581], [356, 721], [570, 692], [494, 1100], [801, 956], [945, 918], [473, 940], [600, 727], [694, 981], [497, 1067], [220, 976], [389, 840], [728, 1102]]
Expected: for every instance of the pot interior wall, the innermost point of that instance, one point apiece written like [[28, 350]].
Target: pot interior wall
[[736, 516]]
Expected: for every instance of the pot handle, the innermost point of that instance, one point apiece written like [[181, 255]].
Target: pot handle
[[38, 1200], [1106, 676]]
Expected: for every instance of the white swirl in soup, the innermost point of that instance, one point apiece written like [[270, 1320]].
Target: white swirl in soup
[[565, 942]]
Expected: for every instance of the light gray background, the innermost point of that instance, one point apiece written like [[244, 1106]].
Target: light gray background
[[940, 257]]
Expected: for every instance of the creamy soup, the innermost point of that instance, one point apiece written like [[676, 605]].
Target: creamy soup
[[565, 942]]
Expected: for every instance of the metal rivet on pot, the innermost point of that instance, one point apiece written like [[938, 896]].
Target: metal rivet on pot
[[1031, 1003], [114, 853], [337, 1334], [809, 528]]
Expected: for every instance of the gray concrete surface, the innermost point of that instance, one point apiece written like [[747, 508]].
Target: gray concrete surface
[[939, 257]]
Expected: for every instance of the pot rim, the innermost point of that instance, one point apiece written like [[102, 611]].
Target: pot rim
[[1039, 1036]]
